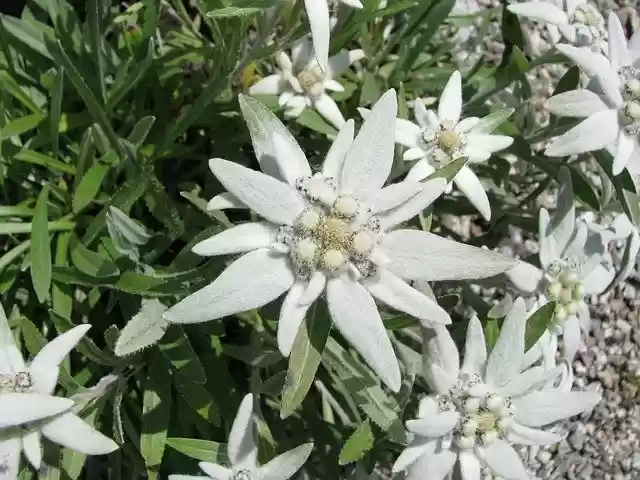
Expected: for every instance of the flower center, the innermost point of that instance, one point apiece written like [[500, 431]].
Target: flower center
[[589, 24], [312, 82], [484, 419], [20, 382], [443, 145], [242, 475], [329, 233], [564, 287], [630, 90]]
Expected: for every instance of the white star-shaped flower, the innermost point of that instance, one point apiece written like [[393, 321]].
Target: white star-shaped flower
[[20, 405], [482, 407], [439, 138], [580, 23], [571, 268], [320, 23], [243, 453], [332, 229], [36, 382], [611, 105], [302, 83]]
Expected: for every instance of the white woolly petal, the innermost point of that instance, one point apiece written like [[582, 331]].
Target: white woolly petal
[[355, 314], [594, 133], [253, 280], [238, 239], [542, 408], [418, 255], [274, 200], [368, 161], [506, 357], [450, 106]]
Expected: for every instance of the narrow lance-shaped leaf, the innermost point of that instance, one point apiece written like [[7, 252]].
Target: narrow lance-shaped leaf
[[156, 413], [538, 323], [146, 328], [304, 359], [358, 444], [41, 248]]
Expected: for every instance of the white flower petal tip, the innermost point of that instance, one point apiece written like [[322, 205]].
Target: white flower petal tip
[[284, 466], [224, 201], [450, 106], [72, 432], [55, 351]]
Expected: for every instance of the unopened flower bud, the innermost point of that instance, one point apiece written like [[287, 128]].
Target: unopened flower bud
[[472, 404], [554, 290], [579, 291], [488, 437], [494, 402], [465, 442], [632, 110]]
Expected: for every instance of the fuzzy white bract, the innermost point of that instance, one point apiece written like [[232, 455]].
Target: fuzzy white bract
[[331, 231], [611, 105], [301, 82], [579, 22], [483, 406], [572, 267], [439, 138], [243, 454], [25, 395], [320, 23]]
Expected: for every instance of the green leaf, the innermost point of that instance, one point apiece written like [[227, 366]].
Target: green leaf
[[89, 262], [583, 190], [538, 323], [491, 333], [235, 8], [41, 248], [55, 110], [311, 119], [450, 170], [21, 125], [200, 449], [358, 444], [90, 185], [177, 349], [305, 359], [569, 81], [623, 185], [156, 413], [93, 105], [146, 328], [140, 130], [8, 83]]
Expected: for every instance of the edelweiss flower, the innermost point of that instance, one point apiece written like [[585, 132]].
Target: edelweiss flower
[[243, 454], [20, 405], [579, 22], [302, 83], [320, 23], [484, 406], [332, 229], [612, 112], [571, 268], [438, 139], [37, 381]]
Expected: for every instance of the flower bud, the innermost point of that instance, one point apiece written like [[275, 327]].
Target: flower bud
[[465, 442], [469, 426], [579, 291], [494, 402], [572, 308], [488, 437], [560, 314], [632, 86], [554, 290], [471, 405], [632, 110]]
